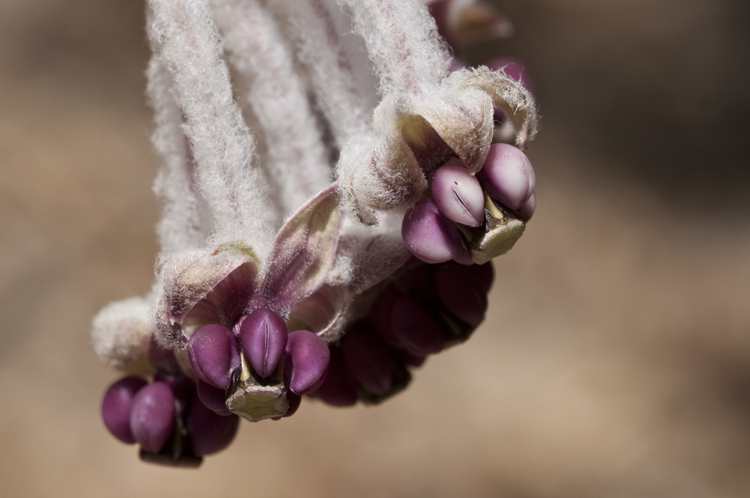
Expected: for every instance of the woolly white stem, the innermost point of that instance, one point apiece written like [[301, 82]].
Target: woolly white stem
[[235, 189], [403, 43], [183, 224], [311, 25], [297, 159]]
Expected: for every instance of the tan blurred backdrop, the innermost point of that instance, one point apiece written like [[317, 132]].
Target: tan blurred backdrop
[[615, 359]]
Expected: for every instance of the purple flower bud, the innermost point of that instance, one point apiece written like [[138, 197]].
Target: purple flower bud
[[419, 332], [307, 359], [508, 176], [368, 360], [458, 194], [461, 293], [526, 211], [294, 401], [410, 359], [162, 358], [338, 389], [116, 405], [380, 316], [152, 417], [182, 387], [210, 432], [213, 398], [484, 274], [464, 258], [429, 234], [214, 354], [263, 336]]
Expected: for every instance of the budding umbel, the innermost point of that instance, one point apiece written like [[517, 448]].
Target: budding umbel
[[323, 232]]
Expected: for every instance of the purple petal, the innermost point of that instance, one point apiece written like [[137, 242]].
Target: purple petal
[[464, 258], [116, 406], [214, 354], [368, 360], [161, 358], [263, 336], [461, 293], [210, 432], [181, 385], [429, 235], [458, 194], [508, 176], [410, 359], [339, 388], [484, 274], [152, 417], [307, 358], [213, 398], [526, 211], [380, 316], [294, 401], [419, 332]]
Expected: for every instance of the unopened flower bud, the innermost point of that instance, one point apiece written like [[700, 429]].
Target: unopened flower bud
[[307, 361], [458, 194], [429, 234], [460, 293], [508, 175], [263, 336], [214, 354], [117, 404], [152, 417], [210, 432], [419, 332]]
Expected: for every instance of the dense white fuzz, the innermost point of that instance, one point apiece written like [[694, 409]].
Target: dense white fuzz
[[324, 50], [121, 334], [297, 162], [184, 223], [403, 43], [236, 191]]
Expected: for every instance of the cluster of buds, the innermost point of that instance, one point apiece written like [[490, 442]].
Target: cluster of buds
[[346, 238]]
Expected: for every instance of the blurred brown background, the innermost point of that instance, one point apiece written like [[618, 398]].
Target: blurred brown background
[[615, 360]]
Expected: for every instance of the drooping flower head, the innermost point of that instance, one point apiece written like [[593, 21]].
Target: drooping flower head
[[333, 193]]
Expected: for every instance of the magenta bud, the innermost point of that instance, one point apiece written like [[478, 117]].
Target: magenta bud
[[484, 275], [182, 387], [410, 359], [116, 406], [429, 234], [294, 401], [263, 336], [507, 175], [368, 360], [526, 211], [214, 354], [162, 359], [339, 388], [213, 398], [307, 358], [380, 316], [152, 417], [461, 293], [458, 194], [420, 334], [464, 258], [210, 432]]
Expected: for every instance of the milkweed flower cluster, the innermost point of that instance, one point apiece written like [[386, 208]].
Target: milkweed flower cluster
[[334, 185]]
